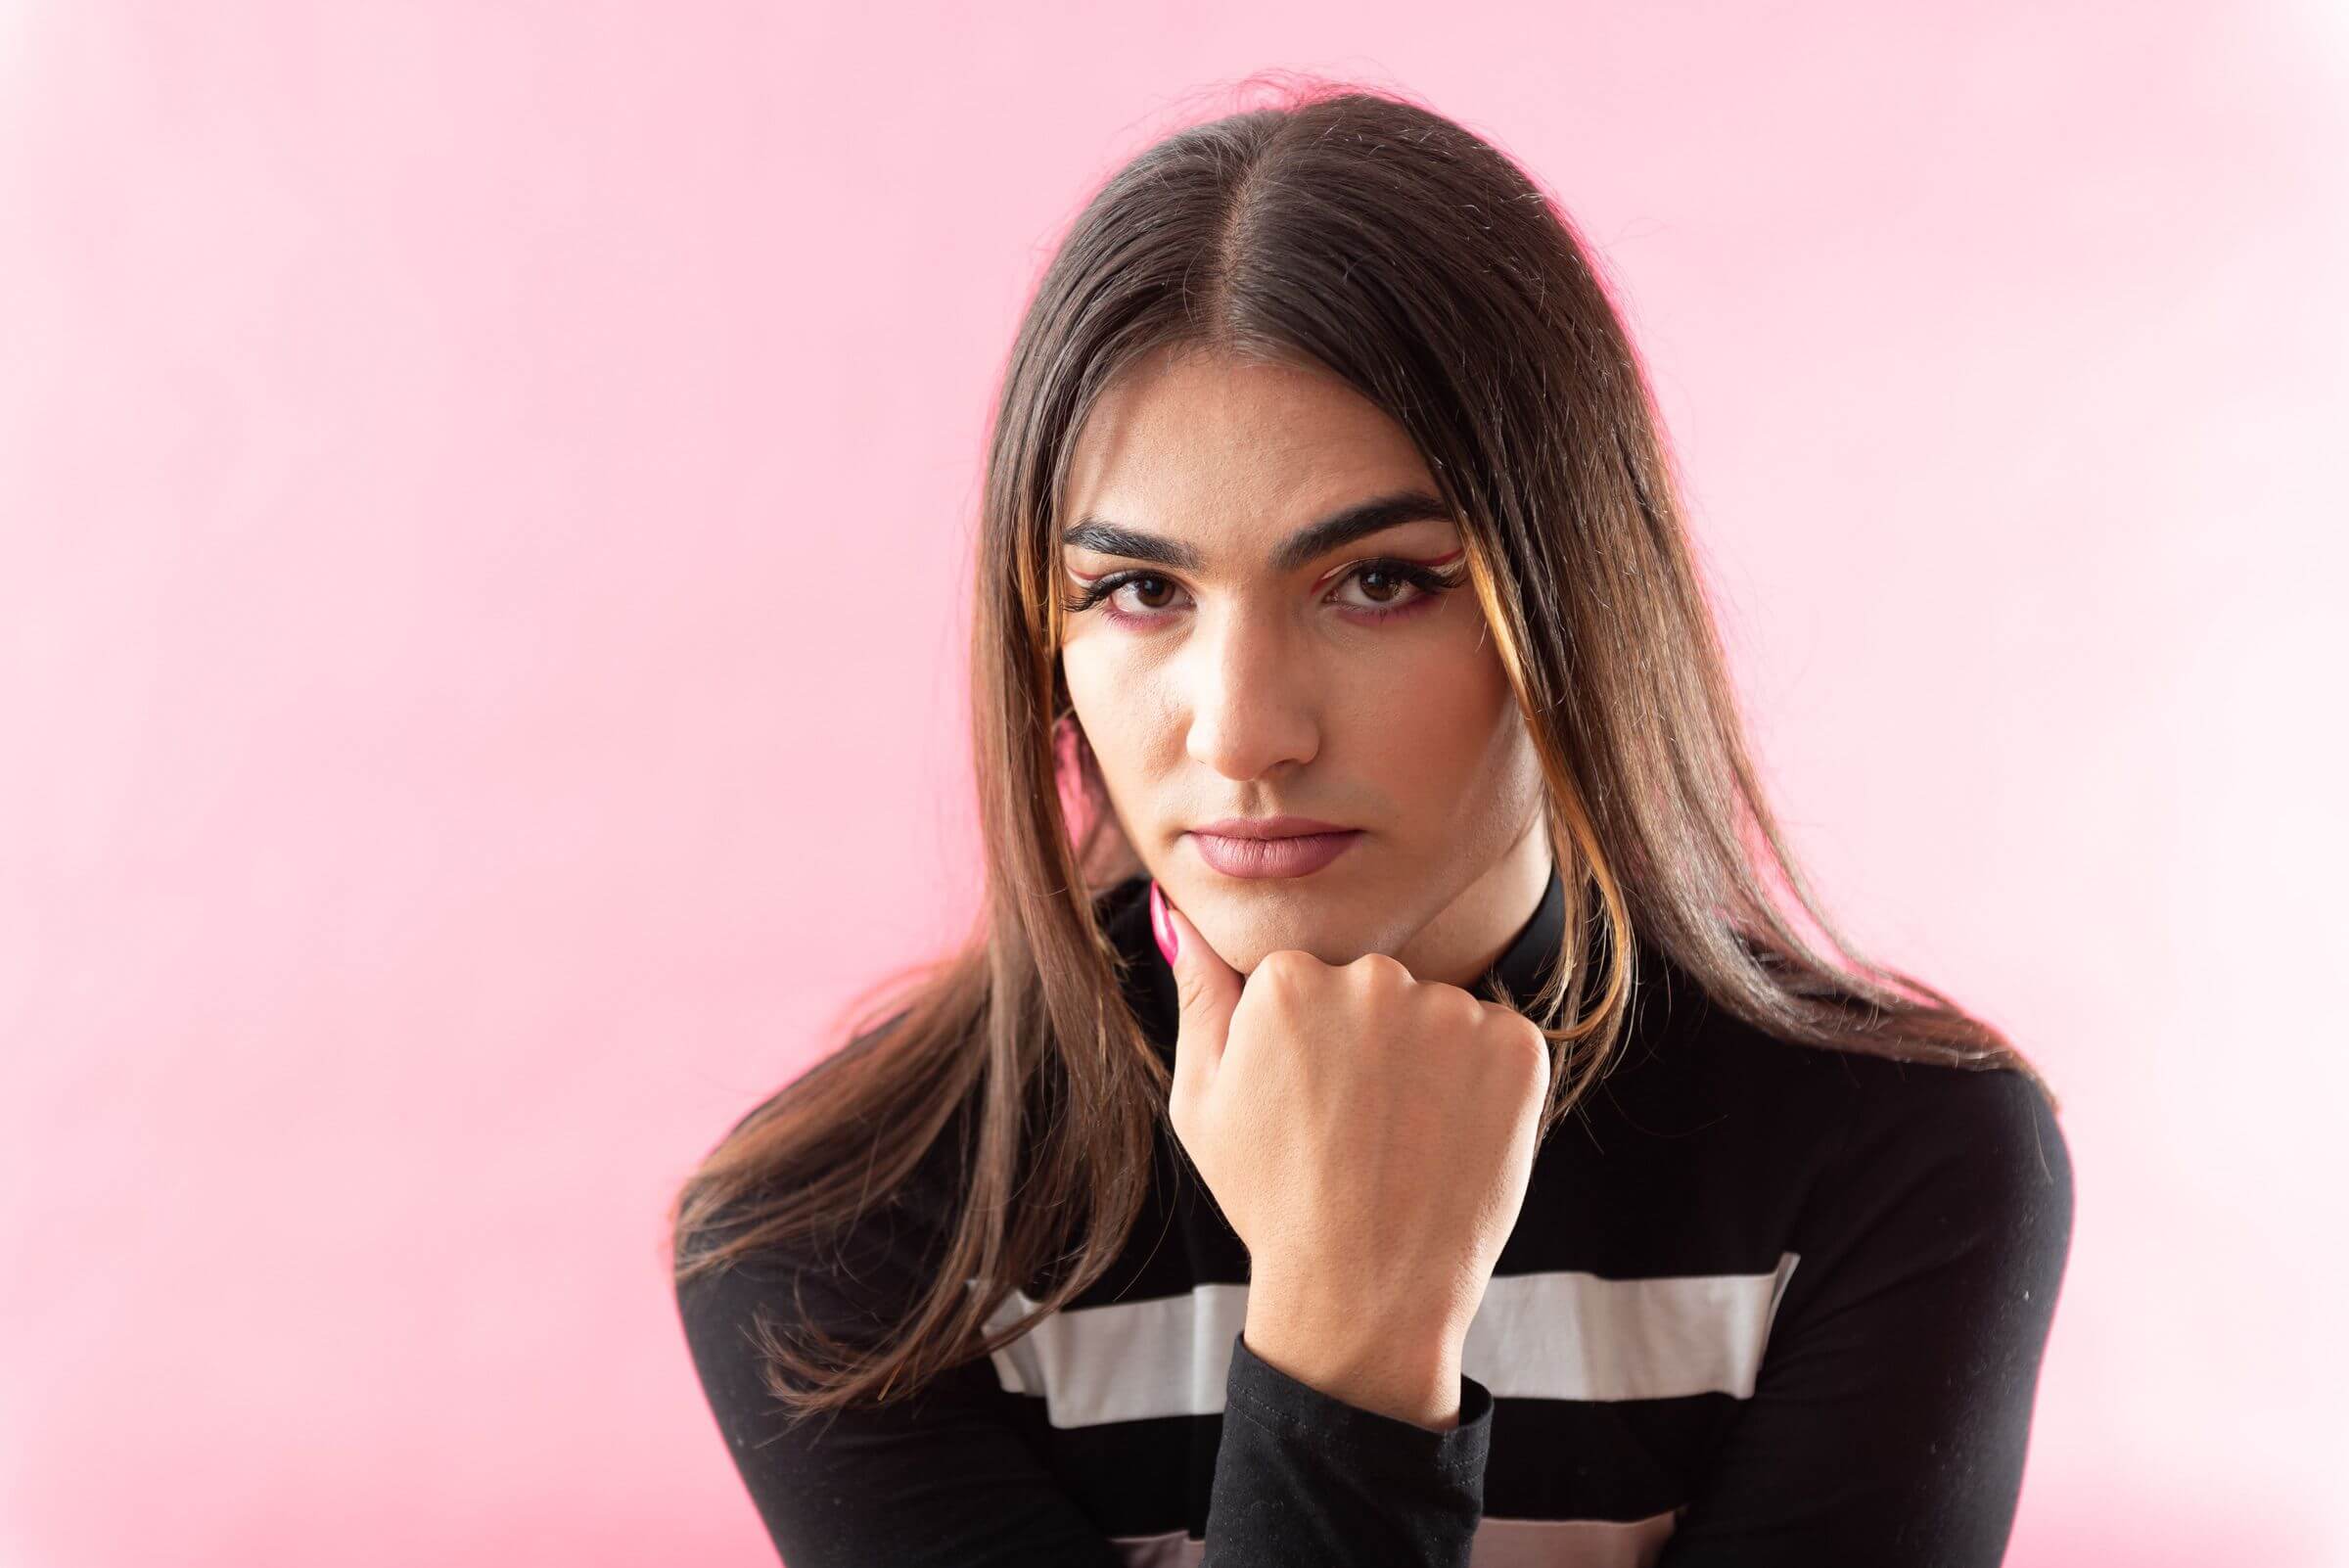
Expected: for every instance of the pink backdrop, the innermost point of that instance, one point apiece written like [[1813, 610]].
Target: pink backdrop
[[484, 494]]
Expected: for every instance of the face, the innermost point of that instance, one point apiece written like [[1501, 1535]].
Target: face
[[1237, 661]]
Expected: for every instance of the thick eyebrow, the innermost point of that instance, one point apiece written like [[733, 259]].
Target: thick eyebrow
[[1313, 540]]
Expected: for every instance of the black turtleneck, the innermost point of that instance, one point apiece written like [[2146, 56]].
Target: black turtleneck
[[1764, 1303]]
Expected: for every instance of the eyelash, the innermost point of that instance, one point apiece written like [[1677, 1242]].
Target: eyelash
[[1432, 585]]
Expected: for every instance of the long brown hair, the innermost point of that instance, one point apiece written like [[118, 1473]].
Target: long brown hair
[[1364, 234]]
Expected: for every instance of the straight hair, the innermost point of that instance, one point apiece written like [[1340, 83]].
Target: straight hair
[[1361, 234]]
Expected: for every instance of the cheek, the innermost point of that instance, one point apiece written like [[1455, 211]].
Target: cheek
[[1095, 675], [1437, 725], [1101, 690], [1451, 691]]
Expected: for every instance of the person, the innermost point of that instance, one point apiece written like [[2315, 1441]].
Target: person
[[1383, 1109]]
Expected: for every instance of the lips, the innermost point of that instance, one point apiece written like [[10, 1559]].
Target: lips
[[1268, 827], [1293, 854]]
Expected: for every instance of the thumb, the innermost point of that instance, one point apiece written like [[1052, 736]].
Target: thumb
[[1207, 988]]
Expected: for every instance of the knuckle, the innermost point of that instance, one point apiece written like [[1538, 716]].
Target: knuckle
[[1508, 1027], [1538, 1047], [1283, 966]]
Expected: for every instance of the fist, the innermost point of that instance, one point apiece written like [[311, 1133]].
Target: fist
[[1368, 1135]]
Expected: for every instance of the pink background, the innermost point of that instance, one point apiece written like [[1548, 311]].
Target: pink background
[[485, 495]]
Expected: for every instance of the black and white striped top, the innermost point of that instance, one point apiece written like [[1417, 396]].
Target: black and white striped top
[[1765, 1303]]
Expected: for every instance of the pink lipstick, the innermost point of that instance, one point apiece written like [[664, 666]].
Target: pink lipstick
[[1271, 845]]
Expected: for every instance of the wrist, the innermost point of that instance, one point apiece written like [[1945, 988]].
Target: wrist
[[1394, 1369]]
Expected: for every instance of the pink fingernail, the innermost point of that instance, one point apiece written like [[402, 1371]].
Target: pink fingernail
[[1161, 926]]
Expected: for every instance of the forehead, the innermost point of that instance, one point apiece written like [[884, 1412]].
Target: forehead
[[1227, 451]]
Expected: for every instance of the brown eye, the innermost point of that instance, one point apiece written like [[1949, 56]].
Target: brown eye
[[1110, 588], [1136, 583], [1392, 589]]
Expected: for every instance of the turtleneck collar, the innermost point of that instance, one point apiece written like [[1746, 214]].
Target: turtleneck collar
[[1523, 965]]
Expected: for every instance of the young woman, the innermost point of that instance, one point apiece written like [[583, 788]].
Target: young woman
[[1389, 1103]]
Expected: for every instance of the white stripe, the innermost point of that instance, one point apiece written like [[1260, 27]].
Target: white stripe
[[1576, 1336], [1563, 1335]]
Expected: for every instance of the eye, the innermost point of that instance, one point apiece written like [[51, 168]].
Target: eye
[[1143, 584], [1394, 587], [1390, 591]]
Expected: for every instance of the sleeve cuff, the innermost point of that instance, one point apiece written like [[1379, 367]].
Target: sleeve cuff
[[1299, 1410]]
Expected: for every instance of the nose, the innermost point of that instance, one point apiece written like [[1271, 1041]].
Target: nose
[[1254, 697]]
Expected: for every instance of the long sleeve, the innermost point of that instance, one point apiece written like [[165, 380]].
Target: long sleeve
[[1304, 1479], [938, 1481], [944, 1478], [1890, 1415]]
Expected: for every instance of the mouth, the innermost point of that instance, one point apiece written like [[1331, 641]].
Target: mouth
[[1286, 854], [1268, 827]]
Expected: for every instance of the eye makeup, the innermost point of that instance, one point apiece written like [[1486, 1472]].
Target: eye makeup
[[1428, 583]]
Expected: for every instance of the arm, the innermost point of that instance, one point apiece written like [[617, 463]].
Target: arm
[[936, 1482], [1305, 1478], [1302, 1477], [1889, 1420]]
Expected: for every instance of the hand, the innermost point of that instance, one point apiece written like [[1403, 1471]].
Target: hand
[[1368, 1135]]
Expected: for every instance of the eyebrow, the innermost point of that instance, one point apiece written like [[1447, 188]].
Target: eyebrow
[[1306, 544]]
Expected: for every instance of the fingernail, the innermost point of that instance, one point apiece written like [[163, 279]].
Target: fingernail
[[1161, 926]]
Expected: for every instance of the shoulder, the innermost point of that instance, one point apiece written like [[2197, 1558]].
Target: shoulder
[[885, 1239], [855, 1281], [1874, 1109], [1991, 1130], [1876, 1146], [1937, 1168]]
